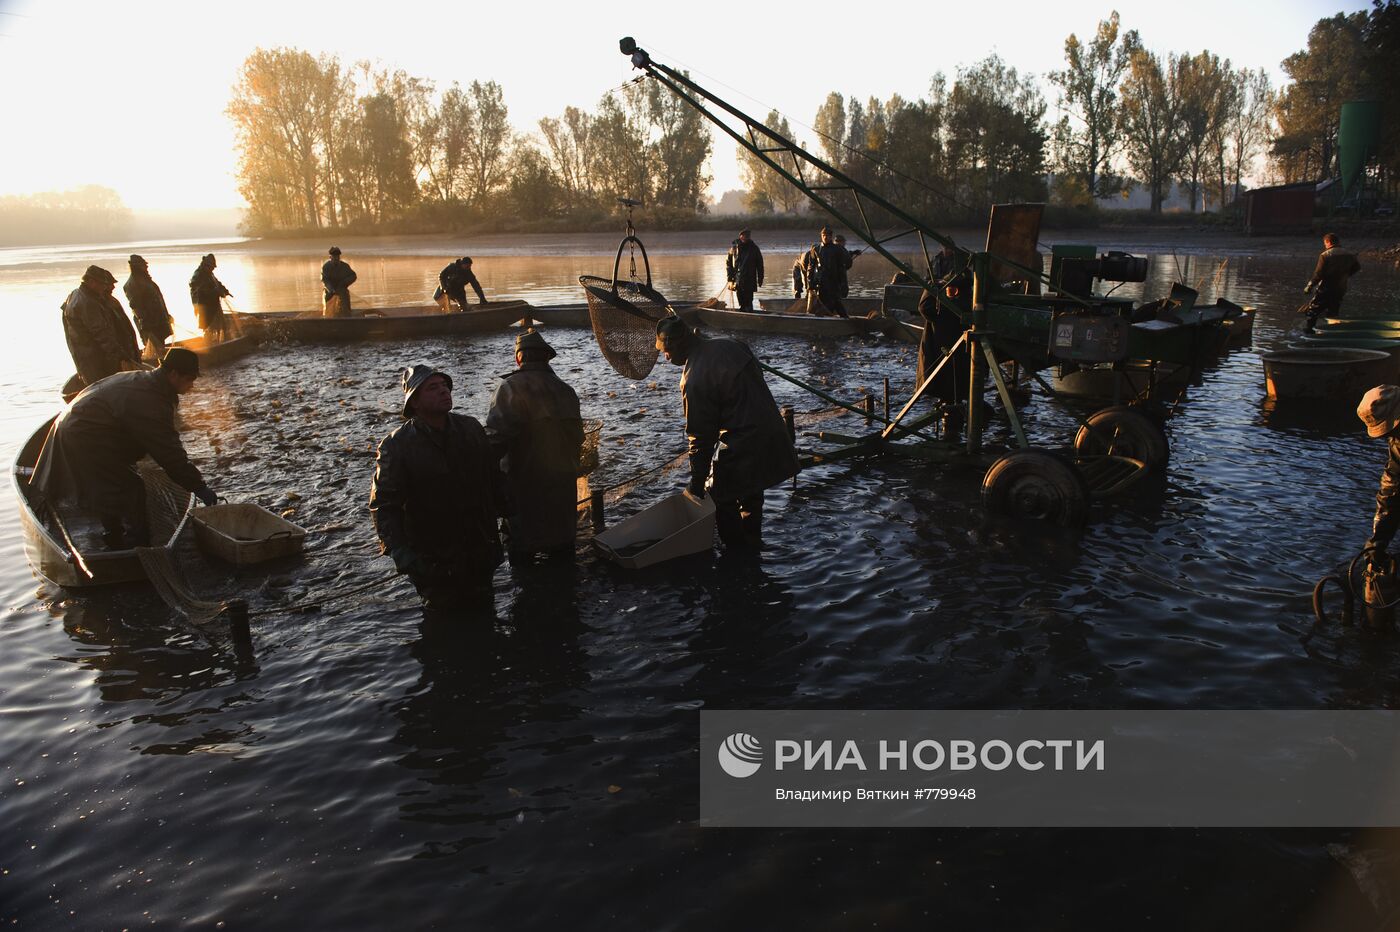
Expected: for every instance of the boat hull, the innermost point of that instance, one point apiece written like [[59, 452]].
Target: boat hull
[[51, 555], [400, 323]]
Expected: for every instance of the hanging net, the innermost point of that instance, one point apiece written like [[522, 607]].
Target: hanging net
[[624, 312]]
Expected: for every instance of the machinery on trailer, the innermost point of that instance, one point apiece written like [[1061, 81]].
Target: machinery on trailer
[[1014, 314]]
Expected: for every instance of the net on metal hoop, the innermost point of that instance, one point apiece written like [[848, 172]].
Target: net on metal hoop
[[624, 312]]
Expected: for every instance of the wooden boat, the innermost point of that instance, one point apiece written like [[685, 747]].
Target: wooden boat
[[559, 315], [385, 323], [1339, 374], [65, 547], [780, 322], [217, 354]]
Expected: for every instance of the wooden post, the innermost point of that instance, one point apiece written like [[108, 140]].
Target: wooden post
[[887, 399], [791, 423], [595, 511], [868, 403]]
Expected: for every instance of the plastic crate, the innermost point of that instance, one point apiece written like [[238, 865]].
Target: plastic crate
[[673, 527], [245, 533]]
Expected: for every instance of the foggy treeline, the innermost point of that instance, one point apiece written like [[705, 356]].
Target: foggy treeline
[[90, 214]]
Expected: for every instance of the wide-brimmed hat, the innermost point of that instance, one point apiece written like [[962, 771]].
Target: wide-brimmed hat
[[1380, 410], [96, 273], [532, 339], [413, 379], [181, 360]]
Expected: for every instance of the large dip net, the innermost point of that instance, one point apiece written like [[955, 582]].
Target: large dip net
[[624, 312]]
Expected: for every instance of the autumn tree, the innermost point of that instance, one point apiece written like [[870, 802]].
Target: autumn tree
[[679, 147], [1323, 76], [1205, 88], [1087, 137], [569, 147], [995, 135], [1152, 122]]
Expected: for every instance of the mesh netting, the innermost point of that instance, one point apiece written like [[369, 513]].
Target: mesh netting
[[588, 453], [624, 318], [171, 586]]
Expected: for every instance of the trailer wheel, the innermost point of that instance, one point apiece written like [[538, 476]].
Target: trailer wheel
[[1123, 431], [1037, 485]]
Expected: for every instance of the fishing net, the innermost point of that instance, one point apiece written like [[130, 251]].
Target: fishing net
[[624, 313], [588, 453], [169, 583]]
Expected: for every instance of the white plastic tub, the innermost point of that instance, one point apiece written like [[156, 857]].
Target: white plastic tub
[[675, 526], [245, 533]]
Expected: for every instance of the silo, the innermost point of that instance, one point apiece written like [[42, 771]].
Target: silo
[[1357, 138]]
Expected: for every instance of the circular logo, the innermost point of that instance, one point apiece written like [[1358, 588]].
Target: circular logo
[[740, 755]]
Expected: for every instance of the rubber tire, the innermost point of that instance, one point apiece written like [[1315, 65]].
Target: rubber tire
[[1135, 435], [1037, 485]]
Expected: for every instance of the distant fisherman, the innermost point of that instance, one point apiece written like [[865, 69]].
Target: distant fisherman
[[337, 277], [728, 405], [436, 495], [100, 337], [206, 293], [535, 429], [743, 268], [153, 319], [454, 281], [1335, 266], [825, 270], [93, 446]]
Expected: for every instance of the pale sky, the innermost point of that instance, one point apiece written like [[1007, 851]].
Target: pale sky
[[131, 95]]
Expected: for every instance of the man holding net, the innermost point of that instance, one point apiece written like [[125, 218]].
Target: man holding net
[[728, 406]]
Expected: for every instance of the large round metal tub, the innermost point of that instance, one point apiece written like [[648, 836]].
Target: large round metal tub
[[1352, 324], [1354, 341], [1329, 374]]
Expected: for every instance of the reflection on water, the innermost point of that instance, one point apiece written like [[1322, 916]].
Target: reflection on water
[[370, 766]]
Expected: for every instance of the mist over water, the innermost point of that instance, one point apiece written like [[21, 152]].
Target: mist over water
[[361, 768]]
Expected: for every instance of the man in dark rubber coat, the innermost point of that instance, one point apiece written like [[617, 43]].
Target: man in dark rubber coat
[[100, 337], [825, 268], [206, 294], [90, 455], [727, 404], [436, 495], [535, 430], [148, 307], [454, 281], [944, 311], [1380, 412], [743, 268], [336, 278], [1335, 267]]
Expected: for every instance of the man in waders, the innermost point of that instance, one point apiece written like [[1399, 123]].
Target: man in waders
[[206, 293], [944, 310], [1335, 267], [825, 270], [536, 432], [728, 405], [336, 278], [454, 279], [148, 307], [743, 267], [436, 495], [91, 452], [100, 338], [1380, 412]]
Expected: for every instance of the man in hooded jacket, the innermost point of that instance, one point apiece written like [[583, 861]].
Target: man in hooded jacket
[[148, 307], [436, 495], [100, 337], [744, 269], [535, 429], [206, 293], [728, 405], [90, 455], [454, 280]]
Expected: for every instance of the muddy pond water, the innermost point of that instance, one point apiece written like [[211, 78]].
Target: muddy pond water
[[358, 769]]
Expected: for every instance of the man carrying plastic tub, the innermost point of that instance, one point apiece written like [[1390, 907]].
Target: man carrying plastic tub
[[535, 430], [92, 448], [436, 495], [727, 404]]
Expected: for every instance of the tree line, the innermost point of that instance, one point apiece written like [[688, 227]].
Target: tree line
[[322, 144], [91, 214], [328, 145]]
